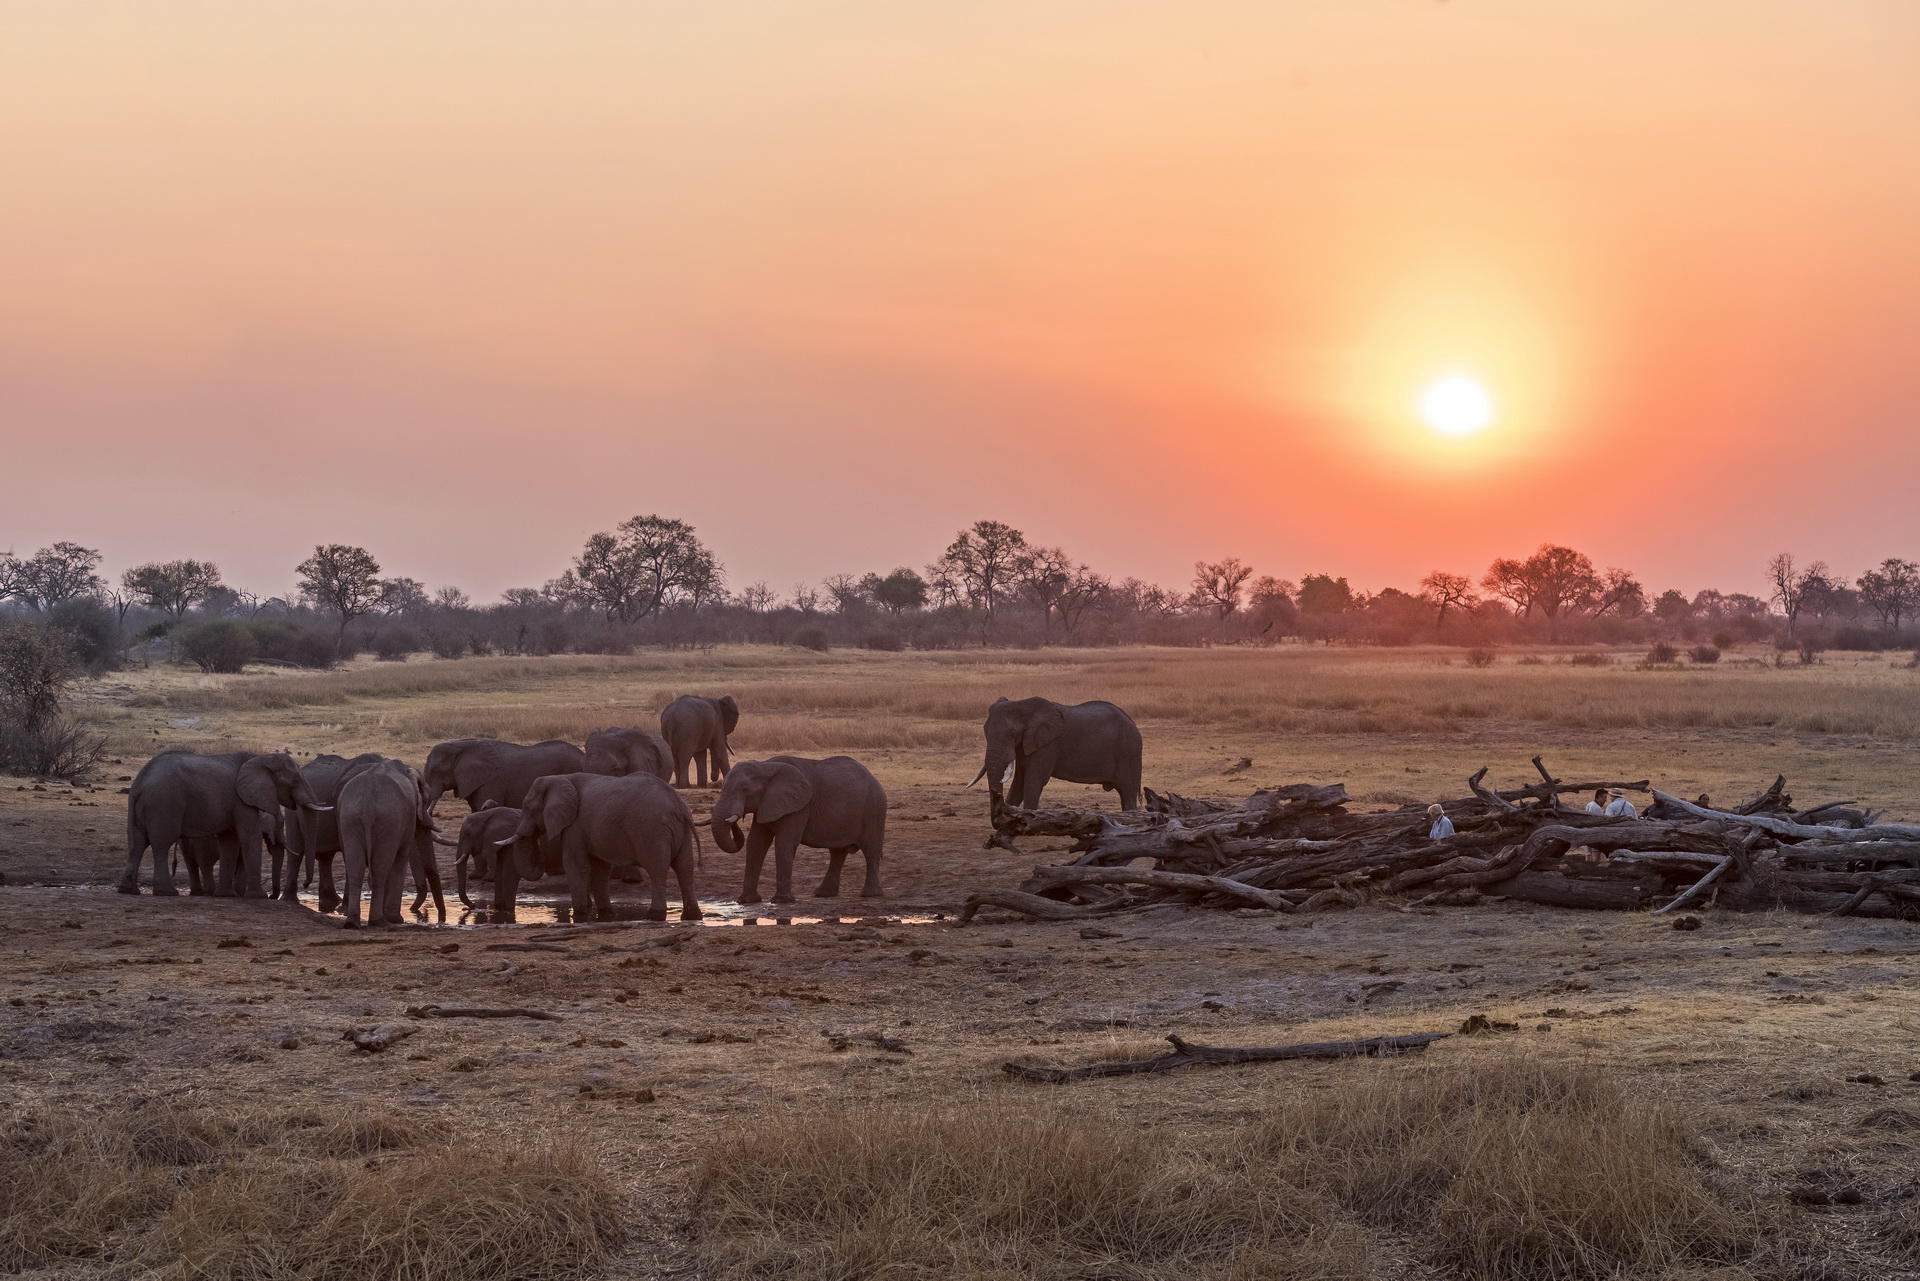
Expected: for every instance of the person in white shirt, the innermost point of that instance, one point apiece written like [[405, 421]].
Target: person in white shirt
[[1621, 807], [1442, 825], [1598, 805]]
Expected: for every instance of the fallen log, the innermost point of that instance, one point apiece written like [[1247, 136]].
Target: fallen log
[[371, 1040], [1798, 831], [1694, 891], [1045, 878], [1190, 1054], [1046, 909], [477, 1012]]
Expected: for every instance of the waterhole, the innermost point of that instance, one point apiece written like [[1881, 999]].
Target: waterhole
[[551, 908]]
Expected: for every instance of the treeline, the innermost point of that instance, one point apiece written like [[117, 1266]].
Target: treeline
[[651, 581]]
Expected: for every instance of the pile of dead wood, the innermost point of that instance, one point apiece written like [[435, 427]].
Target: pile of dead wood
[[1300, 848]]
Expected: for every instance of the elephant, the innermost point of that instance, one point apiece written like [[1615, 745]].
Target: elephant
[[219, 809], [696, 729], [313, 838], [480, 833], [834, 804], [1093, 742], [478, 770], [618, 752], [591, 824], [386, 826]]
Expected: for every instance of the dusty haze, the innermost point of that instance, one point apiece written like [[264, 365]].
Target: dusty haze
[[466, 281]]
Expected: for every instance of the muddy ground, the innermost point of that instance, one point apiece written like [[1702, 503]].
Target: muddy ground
[[1790, 1037]]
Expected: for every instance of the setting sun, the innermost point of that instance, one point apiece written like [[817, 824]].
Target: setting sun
[[1456, 406]]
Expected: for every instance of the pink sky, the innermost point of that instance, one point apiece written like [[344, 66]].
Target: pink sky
[[464, 282]]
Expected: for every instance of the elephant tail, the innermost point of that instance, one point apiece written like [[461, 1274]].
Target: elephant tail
[[699, 850]]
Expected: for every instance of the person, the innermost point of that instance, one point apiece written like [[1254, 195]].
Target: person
[[1598, 805], [1442, 825], [1621, 807]]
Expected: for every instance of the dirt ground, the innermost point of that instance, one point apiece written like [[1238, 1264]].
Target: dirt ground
[[1790, 1037]]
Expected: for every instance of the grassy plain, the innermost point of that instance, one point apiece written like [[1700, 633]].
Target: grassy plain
[[1673, 1105]]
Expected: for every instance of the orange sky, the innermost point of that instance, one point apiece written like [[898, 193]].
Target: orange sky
[[465, 280]]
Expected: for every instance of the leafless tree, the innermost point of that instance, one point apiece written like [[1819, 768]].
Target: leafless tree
[[1217, 585]]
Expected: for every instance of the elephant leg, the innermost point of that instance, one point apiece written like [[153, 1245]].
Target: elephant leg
[[871, 848], [786, 843], [356, 862], [226, 871], [830, 883], [1039, 770], [429, 860], [758, 838], [700, 764], [1017, 789], [683, 872], [1129, 790], [721, 762], [199, 865], [579, 886], [329, 895], [680, 764], [506, 886]]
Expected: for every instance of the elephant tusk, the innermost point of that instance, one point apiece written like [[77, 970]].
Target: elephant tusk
[[510, 840], [441, 840], [977, 777], [320, 809]]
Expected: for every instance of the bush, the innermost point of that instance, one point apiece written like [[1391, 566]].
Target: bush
[[1589, 660], [1662, 654], [1722, 640], [1479, 658], [1810, 651], [221, 645], [57, 749], [1704, 654], [392, 643], [282, 642], [813, 637], [37, 665], [93, 632], [888, 641]]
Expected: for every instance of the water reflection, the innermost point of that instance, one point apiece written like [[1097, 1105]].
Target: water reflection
[[557, 909]]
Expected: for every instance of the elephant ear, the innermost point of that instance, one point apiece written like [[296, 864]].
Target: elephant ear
[[526, 859], [471, 771], [560, 807], [1044, 727], [255, 786], [491, 804], [729, 714], [423, 801], [786, 791]]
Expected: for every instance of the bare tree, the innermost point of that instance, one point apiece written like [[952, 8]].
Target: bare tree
[[846, 594], [979, 566], [1445, 591], [1042, 575], [1794, 587], [343, 580], [1554, 580], [51, 576], [756, 598], [1619, 593], [1217, 585]]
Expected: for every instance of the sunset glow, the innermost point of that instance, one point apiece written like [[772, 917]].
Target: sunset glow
[[1456, 406]]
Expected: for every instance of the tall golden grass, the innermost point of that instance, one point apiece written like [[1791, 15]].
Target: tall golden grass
[[902, 699], [178, 1191], [1518, 1170]]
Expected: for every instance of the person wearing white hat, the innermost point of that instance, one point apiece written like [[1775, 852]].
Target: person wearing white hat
[[1442, 825], [1621, 806]]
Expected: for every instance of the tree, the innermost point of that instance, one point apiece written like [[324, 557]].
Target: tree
[[757, 598], [1445, 591], [1042, 575], [451, 598], [1084, 590], [647, 562], [1322, 599], [402, 596], [1673, 608], [1270, 602], [900, 590], [1217, 585], [1892, 591], [51, 576], [845, 592], [1554, 580], [343, 580], [173, 587], [1619, 593], [37, 664], [978, 567], [1794, 587]]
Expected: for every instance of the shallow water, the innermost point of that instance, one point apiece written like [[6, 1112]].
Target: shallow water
[[549, 908]]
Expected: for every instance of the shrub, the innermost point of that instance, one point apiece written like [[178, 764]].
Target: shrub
[[1530, 660], [1704, 654], [1479, 658], [888, 641], [37, 664], [1722, 640], [57, 749], [93, 632], [392, 643], [221, 645], [1589, 660], [280, 641], [1810, 651], [1662, 654], [812, 636]]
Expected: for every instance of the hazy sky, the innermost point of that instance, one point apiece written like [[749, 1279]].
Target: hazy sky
[[464, 281]]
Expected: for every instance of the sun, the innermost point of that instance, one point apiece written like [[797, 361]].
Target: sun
[[1456, 406]]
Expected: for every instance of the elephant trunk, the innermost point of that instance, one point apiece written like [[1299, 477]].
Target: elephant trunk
[[460, 878], [998, 759], [727, 835]]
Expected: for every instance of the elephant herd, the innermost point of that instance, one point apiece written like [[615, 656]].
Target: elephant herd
[[552, 808]]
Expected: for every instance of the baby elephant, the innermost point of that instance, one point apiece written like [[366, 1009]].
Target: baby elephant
[[592, 824], [835, 805]]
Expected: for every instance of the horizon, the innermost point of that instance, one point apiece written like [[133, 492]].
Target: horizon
[[1155, 288]]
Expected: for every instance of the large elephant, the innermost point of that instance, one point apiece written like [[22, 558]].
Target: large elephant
[[591, 824], [696, 730], [219, 809], [386, 826], [619, 752], [480, 833], [478, 770], [313, 836], [1092, 742], [834, 804]]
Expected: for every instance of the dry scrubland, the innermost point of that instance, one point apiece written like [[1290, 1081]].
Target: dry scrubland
[[1670, 1104]]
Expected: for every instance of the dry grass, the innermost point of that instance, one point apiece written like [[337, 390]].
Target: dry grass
[[884, 700], [1520, 1170], [183, 1191]]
